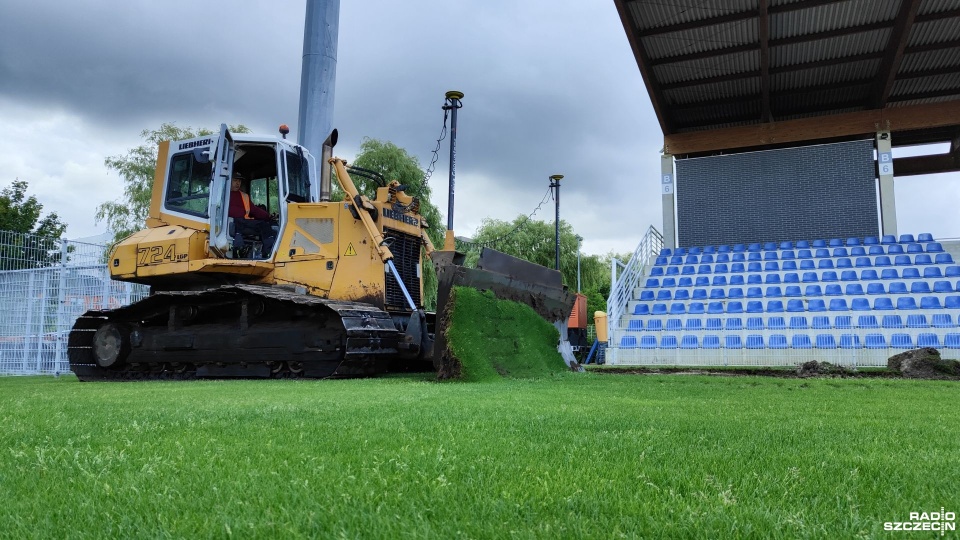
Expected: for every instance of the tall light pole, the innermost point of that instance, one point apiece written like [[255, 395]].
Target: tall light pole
[[579, 239], [555, 185], [452, 104]]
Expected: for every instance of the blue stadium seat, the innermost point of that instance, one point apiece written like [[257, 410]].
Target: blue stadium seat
[[849, 341], [754, 306], [654, 325], [689, 342], [822, 253], [942, 287], [739, 248], [771, 266], [778, 341], [800, 341], [870, 240], [678, 308], [826, 341], [738, 257], [901, 341], [754, 279], [914, 248], [680, 251], [840, 252], [668, 342], [775, 306], [934, 247], [787, 254], [676, 260], [648, 342], [917, 320], [754, 257], [889, 273], [707, 258], [820, 322], [819, 243], [693, 324], [789, 265], [702, 281], [647, 296], [867, 321], [798, 322], [776, 323], [944, 258], [876, 250], [709, 250], [857, 251], [719, 281], [825, 264], [688, 270], [754, 267], [714, 323], [832, 290], [704, 269], [860, 304], [844, 262], [906, 238], [813, 290], [673, 271], [699, 294], [732, 342], [892, 321], [874, 341], [816, 305], [720, 268], [834, 242], [734, 307], [695, 250], [882, 260], [768, 246], [828, 275], [635, 325], [932, 272], [715, 308], [868, 275], [910, 273], [691, 259], [696, 308], [794, 290], [807, 264], [682, 294], [924, 237], [670, 282], [888, 239], [903, 260], [802, 244], [666, 252], [641, 309], [952, 271], [853, 289], [711, 342], [876, 288], [628, 342], [723, 257], [919, 287], [770, 256], [754, 323], [895, 249], [906, 303], [951, 341], [804, 254], [838, 304], [786, 244], [754, 292], [684, 282], [659, 309], [795, 306], [843, 322], [810, 277], [930, 302], [664, 294], [734, 323], [754, 341], [882, 304], [773, 292], [656, 271], [717, 294], [735, 292], [848, 275], [737, 268], [653, 283], [928, 340], [673, 325], [853, 241], [898, 287], [754, 247]]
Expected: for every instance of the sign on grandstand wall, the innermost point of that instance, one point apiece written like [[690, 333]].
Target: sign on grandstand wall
[[45, 284], [805, 193]]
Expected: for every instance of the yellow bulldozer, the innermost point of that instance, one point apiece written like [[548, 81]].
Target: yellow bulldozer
[[337, 293]]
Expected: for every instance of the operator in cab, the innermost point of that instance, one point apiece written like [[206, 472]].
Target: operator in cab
[[249, 219]]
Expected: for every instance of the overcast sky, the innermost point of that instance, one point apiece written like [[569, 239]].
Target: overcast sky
[[550, 87]]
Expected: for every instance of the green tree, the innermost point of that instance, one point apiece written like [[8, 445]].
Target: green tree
[[127, 215], [22, 214], [394, 163]]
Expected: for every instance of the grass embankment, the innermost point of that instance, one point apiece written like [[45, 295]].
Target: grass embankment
[[575, 455], [500, 338]]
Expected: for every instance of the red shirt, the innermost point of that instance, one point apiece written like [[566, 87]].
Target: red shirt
[[237, 209]]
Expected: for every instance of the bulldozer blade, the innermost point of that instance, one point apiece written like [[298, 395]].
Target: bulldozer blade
[[508, 278]]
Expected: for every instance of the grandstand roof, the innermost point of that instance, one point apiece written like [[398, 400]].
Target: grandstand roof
[[712, 65]]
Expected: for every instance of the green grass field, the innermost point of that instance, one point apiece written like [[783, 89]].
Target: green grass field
[[568, 456]]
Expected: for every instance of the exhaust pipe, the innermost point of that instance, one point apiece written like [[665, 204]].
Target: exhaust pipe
[[325, 168]]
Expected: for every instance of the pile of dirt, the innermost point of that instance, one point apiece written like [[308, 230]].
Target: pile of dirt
[[488, 338], [924, 363], [823, 369]]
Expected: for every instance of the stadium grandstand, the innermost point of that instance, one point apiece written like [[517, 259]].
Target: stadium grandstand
[[779, 241]]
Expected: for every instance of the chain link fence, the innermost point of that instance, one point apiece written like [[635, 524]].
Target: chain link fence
[[45, 284]]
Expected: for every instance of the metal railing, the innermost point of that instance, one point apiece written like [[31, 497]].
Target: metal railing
[[625, 277], [45, 284]]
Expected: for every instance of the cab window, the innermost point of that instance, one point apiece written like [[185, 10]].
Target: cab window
[[188, 186], [263, 193], [298, 187]]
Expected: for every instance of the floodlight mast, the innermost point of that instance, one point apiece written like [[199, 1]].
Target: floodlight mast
[[452, 104]]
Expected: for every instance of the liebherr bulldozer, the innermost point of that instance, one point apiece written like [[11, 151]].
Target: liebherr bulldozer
[[339, 294]]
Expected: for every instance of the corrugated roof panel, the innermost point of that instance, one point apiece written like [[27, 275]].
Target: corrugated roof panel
[[716, 126], [709, 92], [940, 99], [821, 113], [660, 13], [821, 99], [936, 6], [713, 115], [850, 71], [708, 67], [831, 17], [943, 58], [921, 85], [708, 38], [828, 49], [934, 32]]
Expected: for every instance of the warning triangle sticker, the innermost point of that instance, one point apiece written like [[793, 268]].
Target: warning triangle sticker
[[350, 251]]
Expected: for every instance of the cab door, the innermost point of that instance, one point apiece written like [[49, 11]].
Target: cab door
[[219, 210]]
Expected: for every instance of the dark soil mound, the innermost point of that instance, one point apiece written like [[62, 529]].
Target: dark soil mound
[[924, 363], [821, 369]]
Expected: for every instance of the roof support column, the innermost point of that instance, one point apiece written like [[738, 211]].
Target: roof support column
[[667, 187], [888, 205]]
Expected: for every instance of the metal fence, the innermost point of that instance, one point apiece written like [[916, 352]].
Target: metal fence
[[45, 284]]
